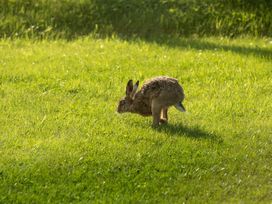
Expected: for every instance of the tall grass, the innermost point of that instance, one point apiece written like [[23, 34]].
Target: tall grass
[[142, 18]]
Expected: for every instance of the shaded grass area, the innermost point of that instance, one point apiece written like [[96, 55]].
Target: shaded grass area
[[259, 48], [61, 140], [191, 132]]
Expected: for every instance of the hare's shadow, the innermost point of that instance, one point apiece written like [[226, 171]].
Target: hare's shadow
[[191, 132]]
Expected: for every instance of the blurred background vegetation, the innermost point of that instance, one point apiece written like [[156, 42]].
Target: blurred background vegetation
[[134, 18]]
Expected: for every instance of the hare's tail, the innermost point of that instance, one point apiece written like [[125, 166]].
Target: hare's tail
[[180, 107]]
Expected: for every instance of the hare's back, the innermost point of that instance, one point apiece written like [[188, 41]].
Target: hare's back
[[166, 88]]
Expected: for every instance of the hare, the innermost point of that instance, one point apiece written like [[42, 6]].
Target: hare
[[154, 98]]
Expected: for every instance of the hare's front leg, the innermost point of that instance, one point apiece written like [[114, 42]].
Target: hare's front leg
[[156, 112]]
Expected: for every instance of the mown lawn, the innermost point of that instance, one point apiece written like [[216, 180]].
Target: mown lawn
[[62, 141]]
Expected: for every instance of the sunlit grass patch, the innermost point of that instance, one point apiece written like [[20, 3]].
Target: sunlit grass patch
[[62, 141]]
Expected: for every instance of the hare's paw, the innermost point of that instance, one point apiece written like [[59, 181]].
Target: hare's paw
[[163, 121]]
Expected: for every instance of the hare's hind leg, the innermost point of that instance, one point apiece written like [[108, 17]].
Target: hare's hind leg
[[156, 109], [164, 115]]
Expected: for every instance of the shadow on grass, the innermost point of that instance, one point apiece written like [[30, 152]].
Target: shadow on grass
[[204, 45], [190, 132]]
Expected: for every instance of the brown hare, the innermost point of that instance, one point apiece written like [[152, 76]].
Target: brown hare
[[154, 98]]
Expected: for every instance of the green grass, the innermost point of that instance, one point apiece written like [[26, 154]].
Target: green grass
[[61, 140]]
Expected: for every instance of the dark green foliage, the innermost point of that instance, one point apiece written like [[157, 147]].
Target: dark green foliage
[[142, 18]]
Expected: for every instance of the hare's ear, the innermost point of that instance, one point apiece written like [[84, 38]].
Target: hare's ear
[[135, 87], [129, 88]]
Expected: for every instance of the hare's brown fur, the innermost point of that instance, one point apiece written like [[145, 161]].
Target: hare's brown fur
[[154, 98]]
